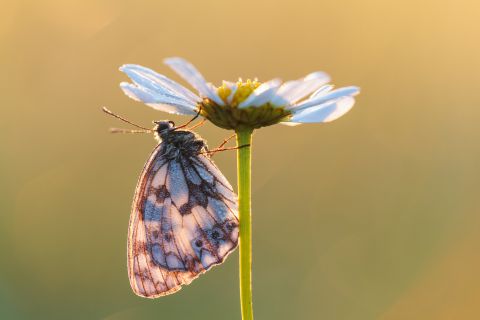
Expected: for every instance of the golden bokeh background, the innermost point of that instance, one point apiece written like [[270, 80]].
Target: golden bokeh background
[[373, 216]]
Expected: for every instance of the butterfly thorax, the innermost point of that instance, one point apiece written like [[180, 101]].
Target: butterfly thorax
[[177, 143]]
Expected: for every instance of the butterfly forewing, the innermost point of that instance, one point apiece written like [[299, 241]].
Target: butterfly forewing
[[184, 221]]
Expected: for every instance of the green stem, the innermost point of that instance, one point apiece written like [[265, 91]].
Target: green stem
[[244, 162]]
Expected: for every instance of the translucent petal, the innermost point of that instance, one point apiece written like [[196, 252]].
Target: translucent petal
[[190, 74], [291, 124], [321, 98], [262, 94], [156, 82], [325, 112], [233, 87], [292, 91], [161, 102], [322, 91], [212, 94]]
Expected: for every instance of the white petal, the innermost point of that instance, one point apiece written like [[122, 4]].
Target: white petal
[[261, 95], [212, 94], [190, 74], [322, 91], [291, 124], [321, 98], [162, 102], [292, 91], [156, 82], [233, 89], [279, 101], [326, 112]]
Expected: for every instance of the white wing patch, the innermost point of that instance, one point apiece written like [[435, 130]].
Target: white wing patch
[[184, 220]]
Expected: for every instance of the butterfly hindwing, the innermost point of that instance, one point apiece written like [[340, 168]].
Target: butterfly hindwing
[[184, 220]]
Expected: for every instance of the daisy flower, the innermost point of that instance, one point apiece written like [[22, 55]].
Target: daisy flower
[[242, 104]]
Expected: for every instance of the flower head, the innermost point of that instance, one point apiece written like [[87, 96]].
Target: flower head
[[240, 105]]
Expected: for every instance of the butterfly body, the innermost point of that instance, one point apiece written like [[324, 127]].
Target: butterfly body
[[178, 143], [184, 216]]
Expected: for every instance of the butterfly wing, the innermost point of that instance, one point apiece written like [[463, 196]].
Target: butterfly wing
[[184, 220]]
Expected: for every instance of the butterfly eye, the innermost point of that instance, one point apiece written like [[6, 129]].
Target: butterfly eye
[[163, 125], [199, 243]]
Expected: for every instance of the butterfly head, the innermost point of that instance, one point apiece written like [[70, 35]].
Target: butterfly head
[[163, 127]]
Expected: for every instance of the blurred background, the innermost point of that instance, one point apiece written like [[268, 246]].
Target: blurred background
[[373, 216]]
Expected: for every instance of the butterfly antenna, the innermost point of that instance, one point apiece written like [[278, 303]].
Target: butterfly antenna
[[191, 120], [115, 130], [121, 130]]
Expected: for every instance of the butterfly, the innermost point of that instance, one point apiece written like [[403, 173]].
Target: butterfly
[[184, 217]]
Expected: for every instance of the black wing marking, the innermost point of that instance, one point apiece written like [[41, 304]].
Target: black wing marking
[[184, 220]]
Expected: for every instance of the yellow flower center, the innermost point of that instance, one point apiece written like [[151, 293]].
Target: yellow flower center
[[229, 116], [224, 91], [244, 89]]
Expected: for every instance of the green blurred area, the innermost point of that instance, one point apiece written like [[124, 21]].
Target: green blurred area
[[374, 216]]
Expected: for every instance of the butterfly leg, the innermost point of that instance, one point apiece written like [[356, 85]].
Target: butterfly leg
[[225, 141], [212, 152], [191, 120], [197, 125]]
